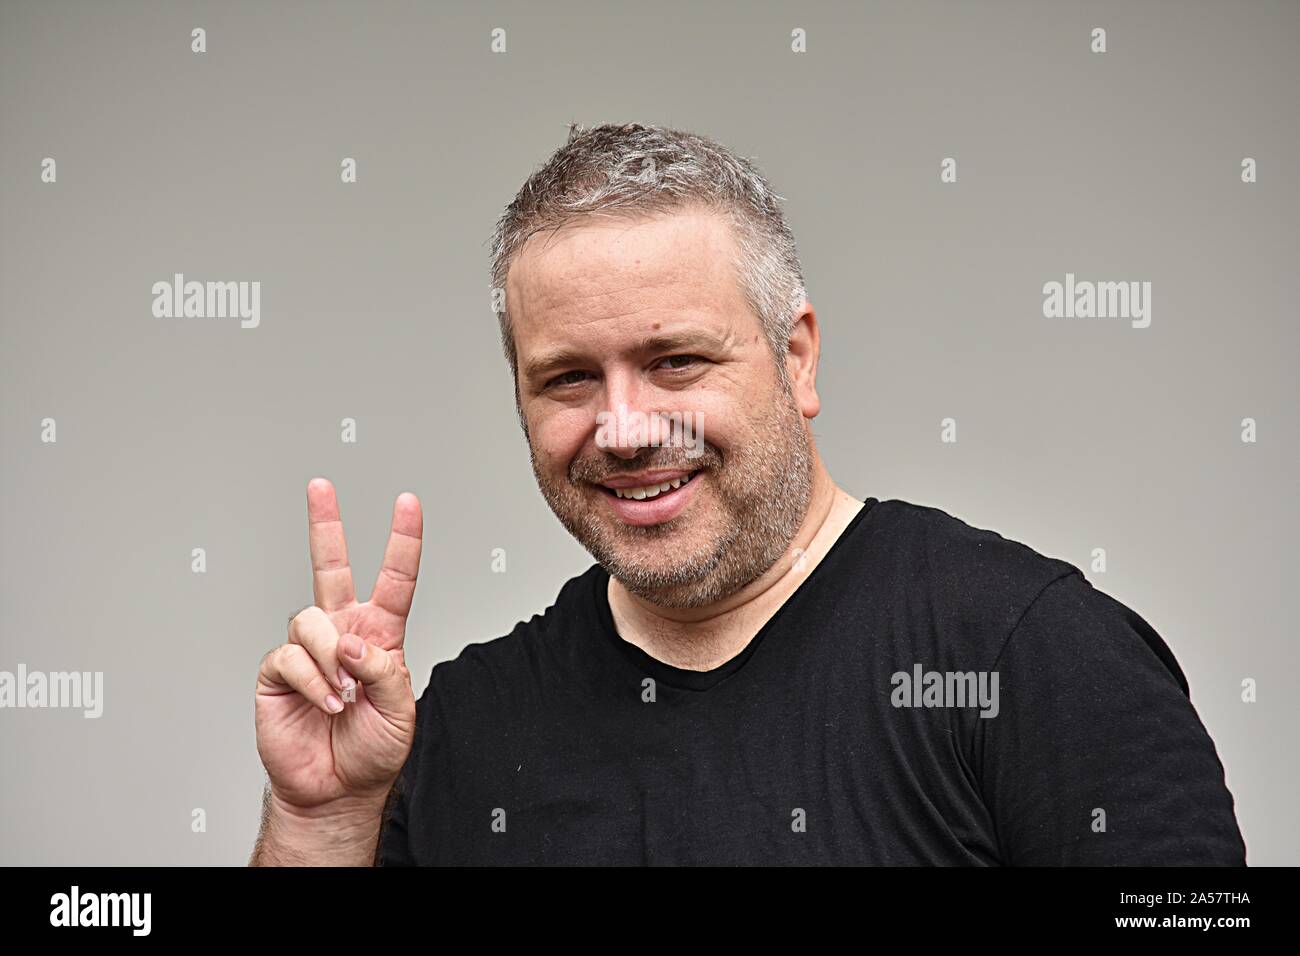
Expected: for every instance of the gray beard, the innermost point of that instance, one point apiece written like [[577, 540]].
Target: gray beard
[[764, 489]]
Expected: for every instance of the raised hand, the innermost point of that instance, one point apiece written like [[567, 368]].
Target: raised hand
[[317, 748]]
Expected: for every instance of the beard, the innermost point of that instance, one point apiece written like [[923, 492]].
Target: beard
[[751, 503]]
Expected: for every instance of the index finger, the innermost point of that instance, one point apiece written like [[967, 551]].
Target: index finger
[[331, 575], [395, 587]]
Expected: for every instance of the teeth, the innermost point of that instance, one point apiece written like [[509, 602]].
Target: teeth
[[650, 491]]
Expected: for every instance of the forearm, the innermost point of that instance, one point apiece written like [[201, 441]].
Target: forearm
[[345, 834]]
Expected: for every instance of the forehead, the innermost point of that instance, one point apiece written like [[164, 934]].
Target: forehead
[[590, 274]]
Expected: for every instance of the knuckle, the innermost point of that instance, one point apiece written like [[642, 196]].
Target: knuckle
[[289, 658], [317, 686], [303, 620]]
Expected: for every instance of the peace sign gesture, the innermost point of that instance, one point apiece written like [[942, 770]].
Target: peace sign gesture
[[335, 710], [382, 619]]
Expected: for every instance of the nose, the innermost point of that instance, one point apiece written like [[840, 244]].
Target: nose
[[624, 432]]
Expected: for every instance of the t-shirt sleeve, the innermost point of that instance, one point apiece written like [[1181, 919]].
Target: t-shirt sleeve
[[1096, 756], [395, 838]]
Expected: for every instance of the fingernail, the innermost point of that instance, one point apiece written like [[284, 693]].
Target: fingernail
[[333, 704], [349, 686], [352, 646]]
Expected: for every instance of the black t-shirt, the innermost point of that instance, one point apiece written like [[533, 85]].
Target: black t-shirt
[[561, 743]]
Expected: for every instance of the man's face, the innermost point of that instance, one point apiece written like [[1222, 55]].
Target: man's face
[[620, 323]]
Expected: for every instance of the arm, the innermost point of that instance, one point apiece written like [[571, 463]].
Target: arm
[[1097, 756], [337, 835]]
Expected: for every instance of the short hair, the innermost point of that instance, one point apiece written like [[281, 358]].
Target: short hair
[[633, 169]]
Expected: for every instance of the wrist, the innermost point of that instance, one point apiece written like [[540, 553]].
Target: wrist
[[339, 813], [343, 832]]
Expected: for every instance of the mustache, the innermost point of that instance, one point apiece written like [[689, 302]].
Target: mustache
[[598, 468]]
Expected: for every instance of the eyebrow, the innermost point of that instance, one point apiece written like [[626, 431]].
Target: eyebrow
[[549, 362]]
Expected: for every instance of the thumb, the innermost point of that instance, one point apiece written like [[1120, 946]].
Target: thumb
[[387, 685]]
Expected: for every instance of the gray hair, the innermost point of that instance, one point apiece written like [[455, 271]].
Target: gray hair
[[634, 169]]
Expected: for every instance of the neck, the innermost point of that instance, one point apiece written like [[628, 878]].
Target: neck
[[702, 638]]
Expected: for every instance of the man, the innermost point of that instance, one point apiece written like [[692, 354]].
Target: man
[[760, 668]]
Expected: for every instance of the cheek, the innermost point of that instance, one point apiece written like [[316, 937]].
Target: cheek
[[558, 438], [735, 403], [721, 420]]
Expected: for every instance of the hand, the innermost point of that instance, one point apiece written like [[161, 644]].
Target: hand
[[316, 748]]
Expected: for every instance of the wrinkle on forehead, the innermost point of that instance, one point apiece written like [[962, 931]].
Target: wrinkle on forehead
[[594, 271]]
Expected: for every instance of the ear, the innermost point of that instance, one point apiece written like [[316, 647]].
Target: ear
[[801, 361]]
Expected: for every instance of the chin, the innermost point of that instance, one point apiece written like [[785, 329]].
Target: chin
[[635, 565], [677, 584], [696, 593]]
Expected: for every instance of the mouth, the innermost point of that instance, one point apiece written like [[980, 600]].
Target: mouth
[[647, 489], [650, 498]]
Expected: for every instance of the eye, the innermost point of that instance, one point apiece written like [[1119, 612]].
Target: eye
[[678, 362], [575, 377]]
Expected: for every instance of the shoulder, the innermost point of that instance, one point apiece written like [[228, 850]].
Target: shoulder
[[984, 589], [966, 562], [1073, 626], [958, 591], [485, 673]]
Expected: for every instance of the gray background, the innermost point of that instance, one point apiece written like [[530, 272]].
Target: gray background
[[179, 434]]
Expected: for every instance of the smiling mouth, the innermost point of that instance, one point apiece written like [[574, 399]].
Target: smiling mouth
[[648, 492]]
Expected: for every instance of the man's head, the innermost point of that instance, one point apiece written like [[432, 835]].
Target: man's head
[[649, 278]]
